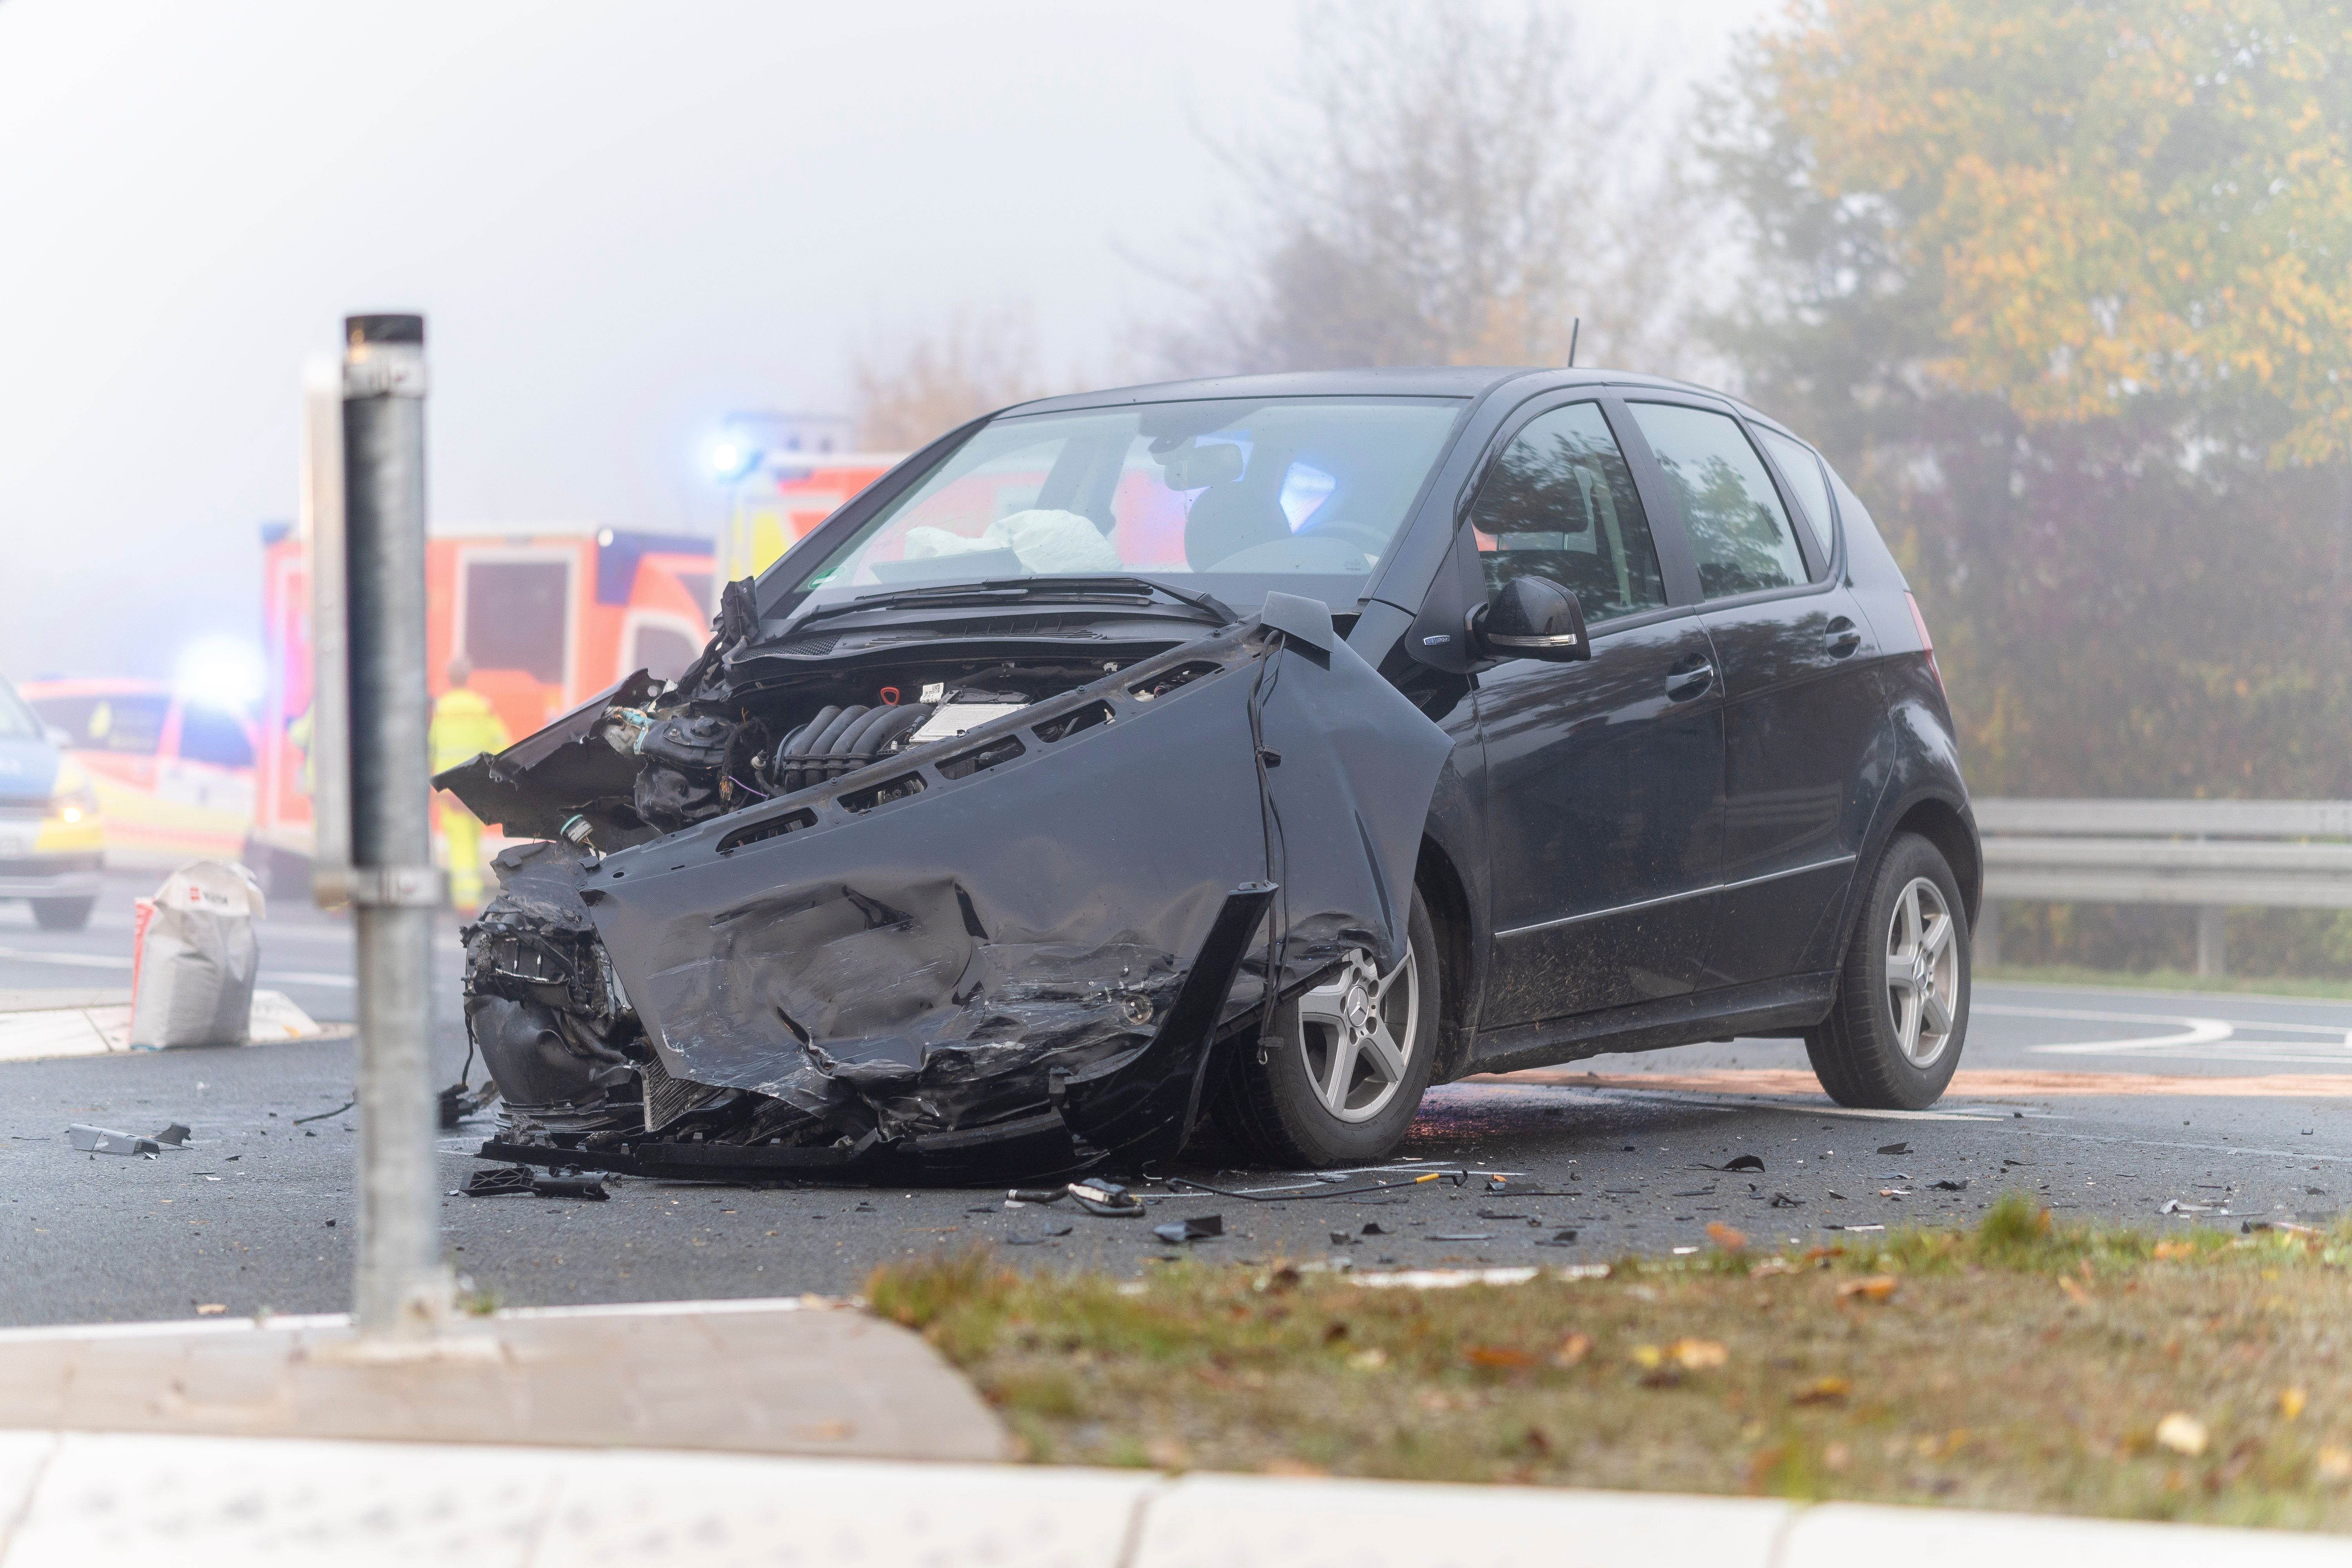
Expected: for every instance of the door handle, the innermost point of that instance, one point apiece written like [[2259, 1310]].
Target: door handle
[[1686, 684], [1841, 638]]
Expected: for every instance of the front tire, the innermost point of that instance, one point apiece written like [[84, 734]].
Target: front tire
[[1894, 1038], [62, 914], [1357, 1050]]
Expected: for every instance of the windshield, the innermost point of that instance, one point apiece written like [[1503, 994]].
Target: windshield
[[1306, 495], [17, 720]]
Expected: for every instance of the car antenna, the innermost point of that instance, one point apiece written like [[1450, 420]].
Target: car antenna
[[1574, 331]]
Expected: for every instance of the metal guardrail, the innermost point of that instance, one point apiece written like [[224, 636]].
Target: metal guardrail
[[2211, 853]]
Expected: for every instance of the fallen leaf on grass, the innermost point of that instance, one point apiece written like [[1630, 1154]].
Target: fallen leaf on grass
[[1287, 1467], [2332, 1463], [1770, 1266], [211, 1308], [1874, 1287], [1497, 1357], [2175, 1251], [1725, 1237], [1372, 1360], [1573, 1348], [1822, 1391], [1687, 1354], [2291, 1402], [2182, 1433], [2075, 1292]]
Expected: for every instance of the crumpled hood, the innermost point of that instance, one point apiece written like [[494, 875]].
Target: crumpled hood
[[919, 965]]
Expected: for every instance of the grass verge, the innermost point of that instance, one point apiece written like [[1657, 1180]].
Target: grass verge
[[2168, 980], [2020, 1365]]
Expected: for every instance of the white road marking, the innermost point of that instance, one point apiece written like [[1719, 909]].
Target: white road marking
[[2193, 1038]]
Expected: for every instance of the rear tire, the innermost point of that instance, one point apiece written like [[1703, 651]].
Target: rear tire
[[62, 914], [1332, 1094], [1894, 1038]]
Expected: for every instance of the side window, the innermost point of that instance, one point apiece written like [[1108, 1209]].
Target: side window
[[1803, 469], [207, 735], [1738, 532], [1559, 503]]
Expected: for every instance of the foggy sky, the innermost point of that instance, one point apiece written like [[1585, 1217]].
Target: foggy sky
[[621, 222]]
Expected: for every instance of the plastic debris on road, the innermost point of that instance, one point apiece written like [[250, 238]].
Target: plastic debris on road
[[92, 1140], [1203, 1227]]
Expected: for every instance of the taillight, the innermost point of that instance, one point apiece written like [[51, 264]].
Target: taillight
[[1926, 643]]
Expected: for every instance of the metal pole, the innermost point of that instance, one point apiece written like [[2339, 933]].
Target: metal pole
[[402, 1287]]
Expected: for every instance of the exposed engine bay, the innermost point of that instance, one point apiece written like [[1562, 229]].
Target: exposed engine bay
[[930, 893]]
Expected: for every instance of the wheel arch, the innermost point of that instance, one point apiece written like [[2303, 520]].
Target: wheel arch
[[1446, 896], [1951, 828]]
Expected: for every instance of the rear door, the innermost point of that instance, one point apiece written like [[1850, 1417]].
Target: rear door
[[1802, 709], [1604, 777]]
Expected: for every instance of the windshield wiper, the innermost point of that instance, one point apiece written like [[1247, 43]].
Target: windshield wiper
[[1134, 591]]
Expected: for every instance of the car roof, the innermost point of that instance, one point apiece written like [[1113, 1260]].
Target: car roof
[[1470, 381]]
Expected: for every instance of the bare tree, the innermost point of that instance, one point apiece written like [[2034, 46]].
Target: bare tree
[[925, 383], [1469, 183]]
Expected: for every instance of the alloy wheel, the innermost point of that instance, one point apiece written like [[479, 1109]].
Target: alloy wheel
[[1357, 1033], [1923, 972]]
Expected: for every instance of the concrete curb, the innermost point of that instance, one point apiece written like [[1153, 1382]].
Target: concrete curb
[[81, 1024], [77, 1498]]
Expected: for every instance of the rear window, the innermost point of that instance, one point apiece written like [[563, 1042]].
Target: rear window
[[208, 735], [129, 724]]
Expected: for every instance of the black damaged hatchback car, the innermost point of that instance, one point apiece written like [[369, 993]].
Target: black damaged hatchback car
[[1238, 758]]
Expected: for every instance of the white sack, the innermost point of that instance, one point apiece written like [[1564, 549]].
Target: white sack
[[197, 957]]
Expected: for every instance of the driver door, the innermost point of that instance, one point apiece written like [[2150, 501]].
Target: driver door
[[1605, 777]]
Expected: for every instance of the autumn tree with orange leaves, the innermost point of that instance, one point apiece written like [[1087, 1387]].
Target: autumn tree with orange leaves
[[2066, 290]]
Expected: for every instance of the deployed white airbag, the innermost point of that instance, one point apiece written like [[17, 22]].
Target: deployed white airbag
[[1045, 541]]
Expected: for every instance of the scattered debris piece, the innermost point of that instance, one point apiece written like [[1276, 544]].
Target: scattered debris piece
[[2174, 1205], [1496, 1183], [1020, 1196], [2182, 1433], [1783, 1200], [1560, 1238], [211, 1308], [1050, 1232], [1840, 1197], [1201, 1227], [1950, 1186], [570, 1184], [1738, 1163], [1894, 1148], [1706, 1192], [105, 1140], [1871, 1287], [1108, 1199], [1339, 1237], [1896, 1193], [459, 1100], [497, 1180], [324, 1114], [1371, 1227], [1498, 1214], [1725, 1237], [174, 1133]]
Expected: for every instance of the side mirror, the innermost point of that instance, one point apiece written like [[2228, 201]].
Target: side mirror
[[1531, 618]]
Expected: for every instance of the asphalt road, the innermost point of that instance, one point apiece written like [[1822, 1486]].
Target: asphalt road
[[2106, 1102]]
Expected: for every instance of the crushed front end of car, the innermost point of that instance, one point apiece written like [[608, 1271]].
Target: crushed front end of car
[[945, 886]]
